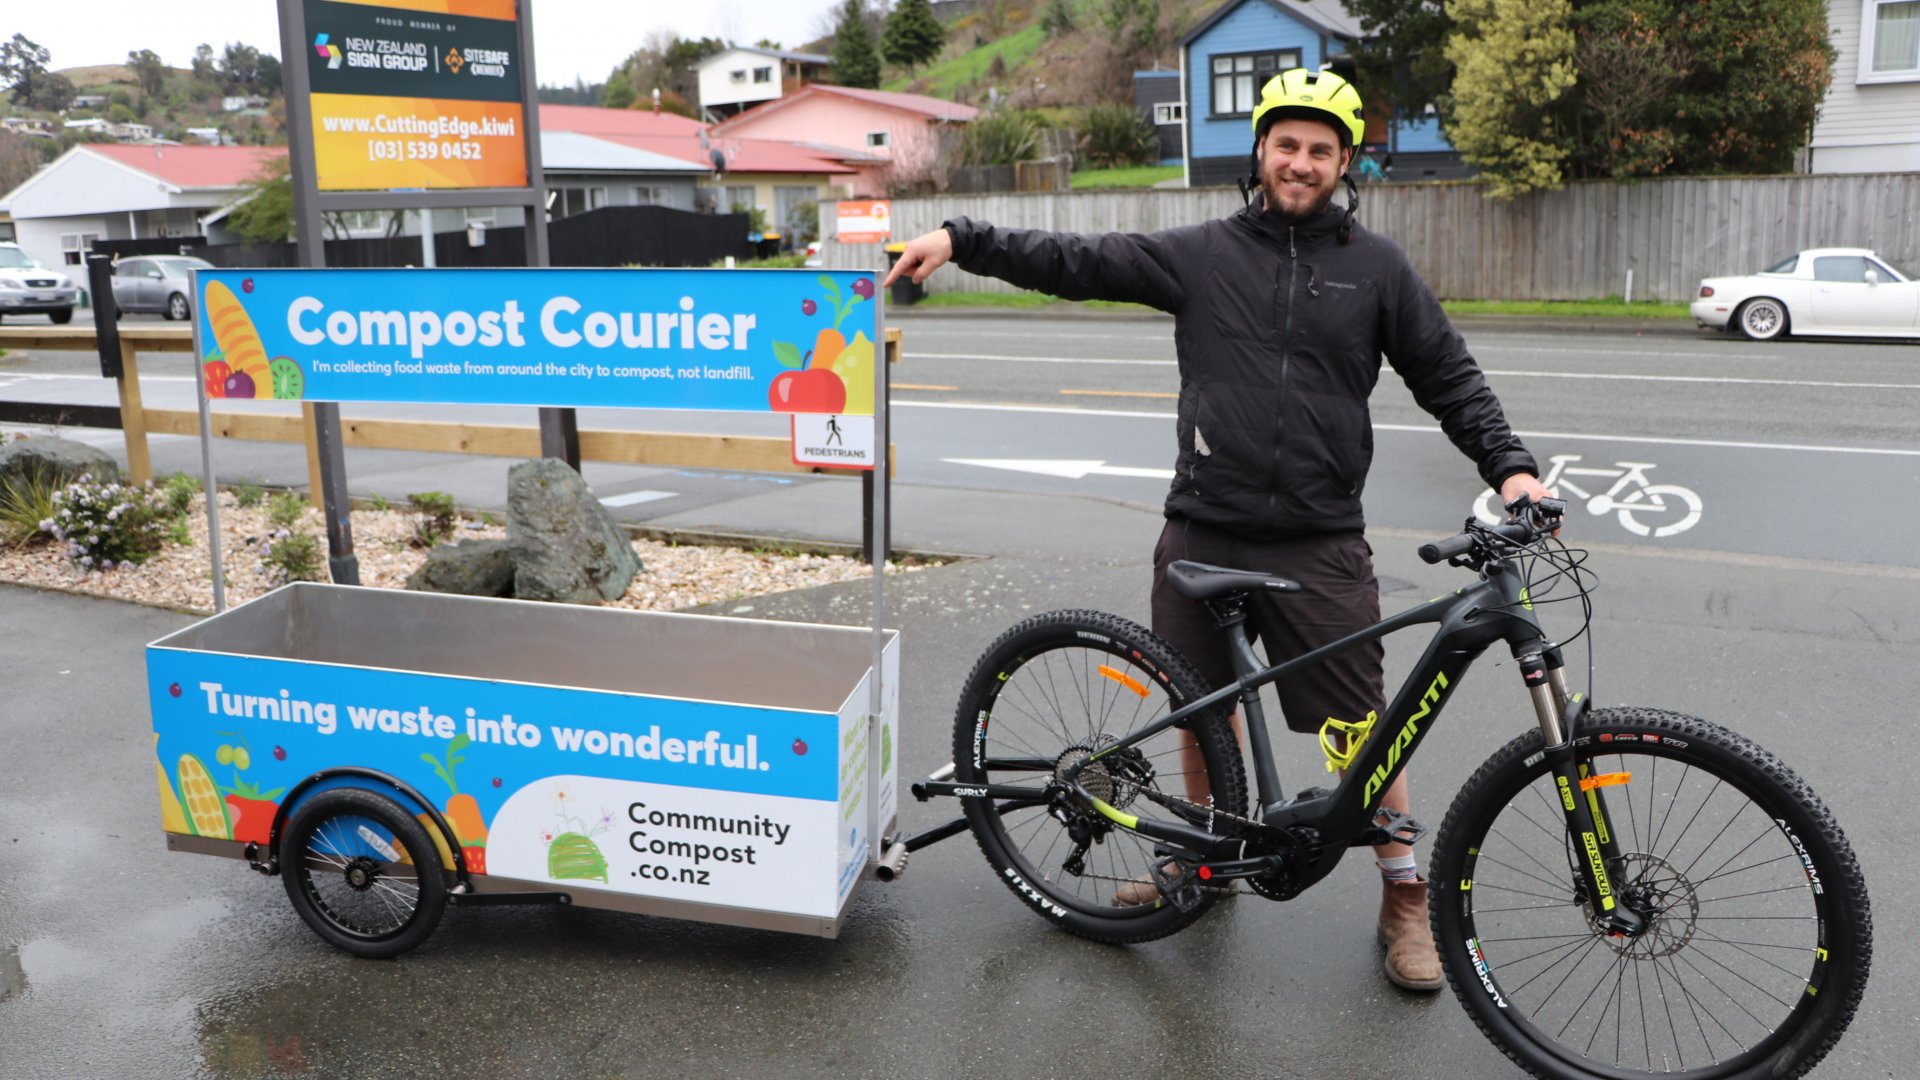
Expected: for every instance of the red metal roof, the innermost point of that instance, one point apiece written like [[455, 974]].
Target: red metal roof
[[743, 155], [192, 166], [592, 120]]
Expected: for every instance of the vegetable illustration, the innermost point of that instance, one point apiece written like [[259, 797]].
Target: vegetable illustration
[[233, 330], [172, 818], [252, 818], [216, 374], [463, 811], [206, 814], [249, 810], [572, 855], [827, 377]]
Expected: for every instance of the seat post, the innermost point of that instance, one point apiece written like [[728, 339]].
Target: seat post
[[1231, 612]]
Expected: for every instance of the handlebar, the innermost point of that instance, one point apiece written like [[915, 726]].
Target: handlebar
[[1527, 521]]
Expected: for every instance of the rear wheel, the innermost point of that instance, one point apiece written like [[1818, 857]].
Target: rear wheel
[[1762, 319], [177, 307], [351, 861], [1051, 691], [1759, 932]]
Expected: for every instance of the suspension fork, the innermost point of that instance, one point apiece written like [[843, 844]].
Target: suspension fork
[[1585, 809]]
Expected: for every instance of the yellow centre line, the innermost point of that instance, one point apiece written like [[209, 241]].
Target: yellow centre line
[[1120, 393]]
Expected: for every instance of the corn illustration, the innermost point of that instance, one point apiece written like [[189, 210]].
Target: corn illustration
[[439, 843], [205, 811], [172, 818], [234, 332]]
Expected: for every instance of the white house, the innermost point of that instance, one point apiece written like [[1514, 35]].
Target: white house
[[1870, 121], [741, 77], [104, 191]]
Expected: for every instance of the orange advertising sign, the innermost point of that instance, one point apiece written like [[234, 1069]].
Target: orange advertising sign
[[429, 100], [863, 221], [374, 143]]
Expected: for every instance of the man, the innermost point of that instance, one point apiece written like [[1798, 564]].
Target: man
[[1283, 311]]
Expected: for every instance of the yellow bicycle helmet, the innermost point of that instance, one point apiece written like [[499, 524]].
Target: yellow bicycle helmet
[[1315, 95]]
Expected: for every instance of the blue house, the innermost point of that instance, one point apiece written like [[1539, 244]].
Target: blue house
[[1233, 52]]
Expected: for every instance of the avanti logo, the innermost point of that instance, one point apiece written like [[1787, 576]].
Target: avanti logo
[[328, 52], [1408, 732]]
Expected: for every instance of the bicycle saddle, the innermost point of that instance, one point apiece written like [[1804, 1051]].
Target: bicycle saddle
[[1198, 581]]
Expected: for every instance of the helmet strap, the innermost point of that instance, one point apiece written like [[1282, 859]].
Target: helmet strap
[[1251, 182], [1345, 232]]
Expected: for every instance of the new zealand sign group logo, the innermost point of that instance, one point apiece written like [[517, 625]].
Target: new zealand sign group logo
[[330, 53]]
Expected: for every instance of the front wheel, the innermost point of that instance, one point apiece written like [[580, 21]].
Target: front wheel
[[61, 316], [1052, 691], [1758, 937], [1762, 319], [351, 860], [177, 307]]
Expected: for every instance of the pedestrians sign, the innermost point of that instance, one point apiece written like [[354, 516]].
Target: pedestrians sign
[[844, 442]]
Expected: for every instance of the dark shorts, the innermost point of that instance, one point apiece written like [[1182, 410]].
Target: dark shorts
[[1340, 596]]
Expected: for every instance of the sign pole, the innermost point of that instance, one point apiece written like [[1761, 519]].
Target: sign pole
[[309, 241], [559, 428]]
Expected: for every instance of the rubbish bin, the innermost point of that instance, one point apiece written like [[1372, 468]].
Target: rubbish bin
[[906, 290]]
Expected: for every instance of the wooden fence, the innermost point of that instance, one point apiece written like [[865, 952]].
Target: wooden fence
[[1574, 244], [136, 421]]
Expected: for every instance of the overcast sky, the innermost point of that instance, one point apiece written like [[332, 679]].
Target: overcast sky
[[583, 38]]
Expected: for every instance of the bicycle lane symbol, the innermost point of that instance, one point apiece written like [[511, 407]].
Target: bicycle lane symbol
[[1643, 509]]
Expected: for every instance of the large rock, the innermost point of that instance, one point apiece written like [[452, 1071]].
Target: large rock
[[468, 568], [53, 460], [566, 546]]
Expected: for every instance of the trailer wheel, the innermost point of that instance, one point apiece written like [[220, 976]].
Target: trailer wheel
[[352, 859]]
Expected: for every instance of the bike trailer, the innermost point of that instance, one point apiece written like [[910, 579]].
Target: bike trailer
[[699, 767]]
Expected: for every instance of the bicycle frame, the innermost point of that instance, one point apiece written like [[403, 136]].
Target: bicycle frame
[[1469, 621]]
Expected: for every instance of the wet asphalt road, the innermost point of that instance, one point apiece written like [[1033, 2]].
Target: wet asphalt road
[[119, 959]]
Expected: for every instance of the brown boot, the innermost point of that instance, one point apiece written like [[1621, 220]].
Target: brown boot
[[1411, 962]]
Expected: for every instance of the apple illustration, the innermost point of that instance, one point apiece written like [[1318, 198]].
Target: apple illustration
[[279, 753], [816, 390], [800, 747], [174, 689]]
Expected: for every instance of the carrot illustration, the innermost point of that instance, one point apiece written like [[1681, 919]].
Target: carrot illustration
[[827, 348], [463, 811]]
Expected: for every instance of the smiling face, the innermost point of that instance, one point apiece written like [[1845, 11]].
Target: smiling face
[[1301, 162]]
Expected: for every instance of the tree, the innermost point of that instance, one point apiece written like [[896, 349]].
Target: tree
[[855, 61], [1760, 70], [912, 35], [1402, 58], [1513, 62], [619, 92], [53, 92], [1059, 18], [269, 74], [19, 159], [23, 64], [203, 67], [240, 66], [263, 210], [148, 69]]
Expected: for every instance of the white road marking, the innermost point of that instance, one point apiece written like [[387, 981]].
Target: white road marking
[[632, 498], [1070, 470], [40, 376], [1038, 359], [1426, 430]]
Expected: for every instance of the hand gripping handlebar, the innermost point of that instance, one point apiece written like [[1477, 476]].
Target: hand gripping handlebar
[[1528, 521]]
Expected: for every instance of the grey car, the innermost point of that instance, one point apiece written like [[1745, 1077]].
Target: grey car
[[156, 283]]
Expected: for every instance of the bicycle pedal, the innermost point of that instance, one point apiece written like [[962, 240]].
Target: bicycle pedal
[[1390, 826], [1177, 877]]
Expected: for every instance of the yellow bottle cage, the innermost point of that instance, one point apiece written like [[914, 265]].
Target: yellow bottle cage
[[1355, 737]]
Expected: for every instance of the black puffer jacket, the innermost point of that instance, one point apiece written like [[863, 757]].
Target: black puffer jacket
[[1279, 332]]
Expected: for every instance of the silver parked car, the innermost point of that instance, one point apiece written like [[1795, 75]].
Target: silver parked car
[[26, 287], [156, 283]]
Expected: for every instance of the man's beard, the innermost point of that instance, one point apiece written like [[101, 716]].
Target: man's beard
[[1312, 210]]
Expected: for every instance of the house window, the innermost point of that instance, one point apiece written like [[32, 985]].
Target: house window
[[737, 76], [879, 140], [763, 74], [74, 246], [568, 201], [1169, 112], [1889, 41], [733, 199], [651, 195], [1237, 78]]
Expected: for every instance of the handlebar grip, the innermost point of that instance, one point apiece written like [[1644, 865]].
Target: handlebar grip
[[1442, 550]]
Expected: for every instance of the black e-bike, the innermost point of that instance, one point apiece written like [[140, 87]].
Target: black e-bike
[[1615, 892]]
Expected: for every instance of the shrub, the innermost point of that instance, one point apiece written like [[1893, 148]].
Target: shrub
[[291, 556], [436, 517], [285, 509], [1001, 138], [246, 496], [1117, 135], [107, 525], [180, 489], [26, 504]]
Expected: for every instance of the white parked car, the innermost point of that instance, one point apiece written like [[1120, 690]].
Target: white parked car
[[1844, 292], [27, 287]]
